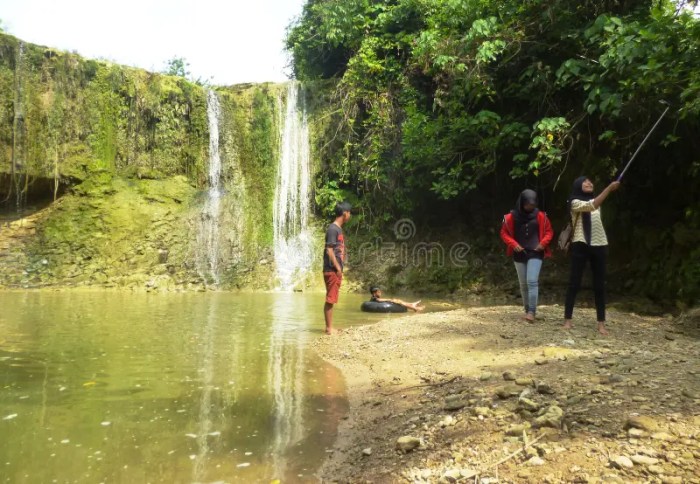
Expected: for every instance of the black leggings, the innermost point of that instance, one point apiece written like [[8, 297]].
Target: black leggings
[[580, 254]]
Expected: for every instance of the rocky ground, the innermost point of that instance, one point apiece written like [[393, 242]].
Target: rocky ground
[[477, 395]]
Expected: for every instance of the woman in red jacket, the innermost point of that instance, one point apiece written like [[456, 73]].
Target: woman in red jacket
[[527, 233]]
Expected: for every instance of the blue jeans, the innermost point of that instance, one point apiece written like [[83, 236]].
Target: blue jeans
[[528, 276]]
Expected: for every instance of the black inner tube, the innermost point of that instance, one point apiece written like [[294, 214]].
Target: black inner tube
[[382, 307]]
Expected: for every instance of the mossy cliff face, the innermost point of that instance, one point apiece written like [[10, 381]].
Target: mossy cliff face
[[125, 154]]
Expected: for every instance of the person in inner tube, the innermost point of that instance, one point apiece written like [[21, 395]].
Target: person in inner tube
[[377, 297]]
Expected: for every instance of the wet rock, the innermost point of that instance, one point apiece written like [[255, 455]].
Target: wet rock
[[486, 376], [644, 460], [528, 404], [507, 392], [656, 470], [544, 388], [622, 462], [509, 376], [551, 417], [641, 422], [454, 402], [407, 443]]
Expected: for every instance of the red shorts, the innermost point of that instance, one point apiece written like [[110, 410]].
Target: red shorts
[[332, 280]]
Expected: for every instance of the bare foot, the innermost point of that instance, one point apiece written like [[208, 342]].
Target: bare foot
[[530, 318], [601, 329], [330, 331], [568, 324], [419, 308]]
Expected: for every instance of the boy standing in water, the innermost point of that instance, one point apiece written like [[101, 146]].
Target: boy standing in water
[[334, 256]]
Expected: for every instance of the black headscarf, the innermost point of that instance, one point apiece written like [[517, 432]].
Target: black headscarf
[[521, 216], [577, 193]]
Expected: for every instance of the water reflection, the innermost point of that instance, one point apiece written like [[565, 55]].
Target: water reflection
[[165, 388], [286, 373]]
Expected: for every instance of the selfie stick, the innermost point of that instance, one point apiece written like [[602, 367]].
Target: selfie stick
[[619, 178]]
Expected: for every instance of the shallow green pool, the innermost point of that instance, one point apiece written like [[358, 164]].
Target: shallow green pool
[[199, 387]]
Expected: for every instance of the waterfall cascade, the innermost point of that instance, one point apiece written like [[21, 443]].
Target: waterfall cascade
[[208, 234], [18, 152], [293, 241]]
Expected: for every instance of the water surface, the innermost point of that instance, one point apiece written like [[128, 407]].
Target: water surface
[[195, 387]]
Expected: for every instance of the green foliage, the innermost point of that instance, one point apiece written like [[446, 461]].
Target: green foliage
[[81, 116], [430, 100]]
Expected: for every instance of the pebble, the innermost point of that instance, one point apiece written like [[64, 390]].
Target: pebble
[[523, 382], [516, 430], [528, 404], [644, 460], [367, 451], [664, 436], [507, 392], [541, 361], [454, 402], [641, 422], [448, 421], [509, 376], [636, 433], [452, 475], [486, 376], [544, 388], [656, 470], [671, 480], [552, 417], [407, 443], [622, 462], [535, 461], [481, 411]]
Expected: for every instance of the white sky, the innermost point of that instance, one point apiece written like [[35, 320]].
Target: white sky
[[228, 41]]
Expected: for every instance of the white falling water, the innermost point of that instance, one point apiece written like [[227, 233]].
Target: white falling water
[[208, 236], [293, 241]]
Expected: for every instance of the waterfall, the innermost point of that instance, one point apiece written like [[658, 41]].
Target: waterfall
[[18, 143], [208, 236], [293, 241]]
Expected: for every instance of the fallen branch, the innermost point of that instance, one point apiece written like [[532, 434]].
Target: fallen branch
[[419, 386], [510, 456]]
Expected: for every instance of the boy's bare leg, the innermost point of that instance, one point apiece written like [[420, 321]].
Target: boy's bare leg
[[328, 315]]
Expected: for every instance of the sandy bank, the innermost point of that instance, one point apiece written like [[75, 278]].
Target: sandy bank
[[439, 377]]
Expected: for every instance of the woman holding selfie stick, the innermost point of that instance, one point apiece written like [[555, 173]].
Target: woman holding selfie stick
[[588, 244]]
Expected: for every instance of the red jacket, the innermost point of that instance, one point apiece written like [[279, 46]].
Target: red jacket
[[508, 233]]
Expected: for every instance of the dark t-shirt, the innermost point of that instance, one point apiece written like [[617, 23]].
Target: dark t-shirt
[[334, 239]]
